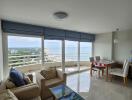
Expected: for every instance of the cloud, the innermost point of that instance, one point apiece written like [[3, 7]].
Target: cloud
[[18, 41]]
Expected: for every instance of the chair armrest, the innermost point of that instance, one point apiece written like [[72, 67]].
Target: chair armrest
[[40, 80], [27, 92], [61, 75]]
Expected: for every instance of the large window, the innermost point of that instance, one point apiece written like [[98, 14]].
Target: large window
[[85, 51], [71, 50], [52, 51], [23, 50]]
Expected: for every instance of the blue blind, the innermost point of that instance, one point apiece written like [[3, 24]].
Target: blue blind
[[48, 33], [20, 28], [71, 35], [87, 37], [54, 34]]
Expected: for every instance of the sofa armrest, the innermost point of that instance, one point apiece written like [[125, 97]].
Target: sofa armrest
[[7, 95], [61, 75], [27, 91]]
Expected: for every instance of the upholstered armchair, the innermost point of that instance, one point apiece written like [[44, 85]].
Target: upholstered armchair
[[49, 79], [26, 92]]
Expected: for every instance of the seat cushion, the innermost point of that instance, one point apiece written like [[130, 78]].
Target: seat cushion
[[17, 77], [49, 73], [117, 72], [53, 82]]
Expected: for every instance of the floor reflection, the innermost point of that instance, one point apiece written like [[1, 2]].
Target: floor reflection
[[79, 82], [97, 88], [74, 69]]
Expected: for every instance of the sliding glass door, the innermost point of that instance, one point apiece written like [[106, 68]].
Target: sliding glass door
[[52, 53], [85, 53], [71, 56]]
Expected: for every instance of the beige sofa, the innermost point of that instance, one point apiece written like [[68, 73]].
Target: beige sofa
[[7, 95], [26, 92], [45, 84]]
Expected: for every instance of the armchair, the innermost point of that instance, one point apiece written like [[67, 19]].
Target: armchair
[[27, 92], [45, 84]]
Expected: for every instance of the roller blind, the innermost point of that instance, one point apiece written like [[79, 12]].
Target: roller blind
[[48, 33], [20, 28]]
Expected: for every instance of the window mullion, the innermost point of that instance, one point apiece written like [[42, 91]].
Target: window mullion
[[42, 53], [63, 55]]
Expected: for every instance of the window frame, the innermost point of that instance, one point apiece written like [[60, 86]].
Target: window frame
[[5, 49], [21, 35]]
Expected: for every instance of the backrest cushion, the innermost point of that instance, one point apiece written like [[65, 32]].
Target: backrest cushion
[[17, 77], [126, 68], [49, 73]]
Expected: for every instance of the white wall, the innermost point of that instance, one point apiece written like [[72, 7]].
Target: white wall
[[103, 46], [1, 55], [123, 48]]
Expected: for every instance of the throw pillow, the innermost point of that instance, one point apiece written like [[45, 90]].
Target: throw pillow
[[49, 73], [17, 77], [27, 79]]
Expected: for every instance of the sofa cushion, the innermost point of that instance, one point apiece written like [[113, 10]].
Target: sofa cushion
[[27, 92], [27, 79], [49, 73], [17, 77], [53, 82]]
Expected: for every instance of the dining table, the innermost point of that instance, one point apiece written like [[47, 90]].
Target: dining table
[[104, 63]]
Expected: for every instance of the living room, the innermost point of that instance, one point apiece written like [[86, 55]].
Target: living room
[[66, 44]]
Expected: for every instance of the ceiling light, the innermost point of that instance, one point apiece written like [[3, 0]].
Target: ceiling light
[[60, 15]]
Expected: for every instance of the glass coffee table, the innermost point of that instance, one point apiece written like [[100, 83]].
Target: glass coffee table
[[63, 92]]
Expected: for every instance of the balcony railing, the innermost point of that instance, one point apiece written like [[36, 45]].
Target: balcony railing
[[23, 60], [15, 61]]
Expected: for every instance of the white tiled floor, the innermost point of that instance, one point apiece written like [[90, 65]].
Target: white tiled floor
[[98, 89]]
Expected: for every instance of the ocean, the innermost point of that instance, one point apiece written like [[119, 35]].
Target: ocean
[[71, 53]]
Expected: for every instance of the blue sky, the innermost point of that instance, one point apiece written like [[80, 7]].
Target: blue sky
[[19, 42]]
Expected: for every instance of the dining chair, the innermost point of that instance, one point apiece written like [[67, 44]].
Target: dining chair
[[97, 58], [95, 67], [121, 72], [91, 59]]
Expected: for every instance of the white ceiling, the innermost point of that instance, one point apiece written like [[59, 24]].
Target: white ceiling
[[94, 16]]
